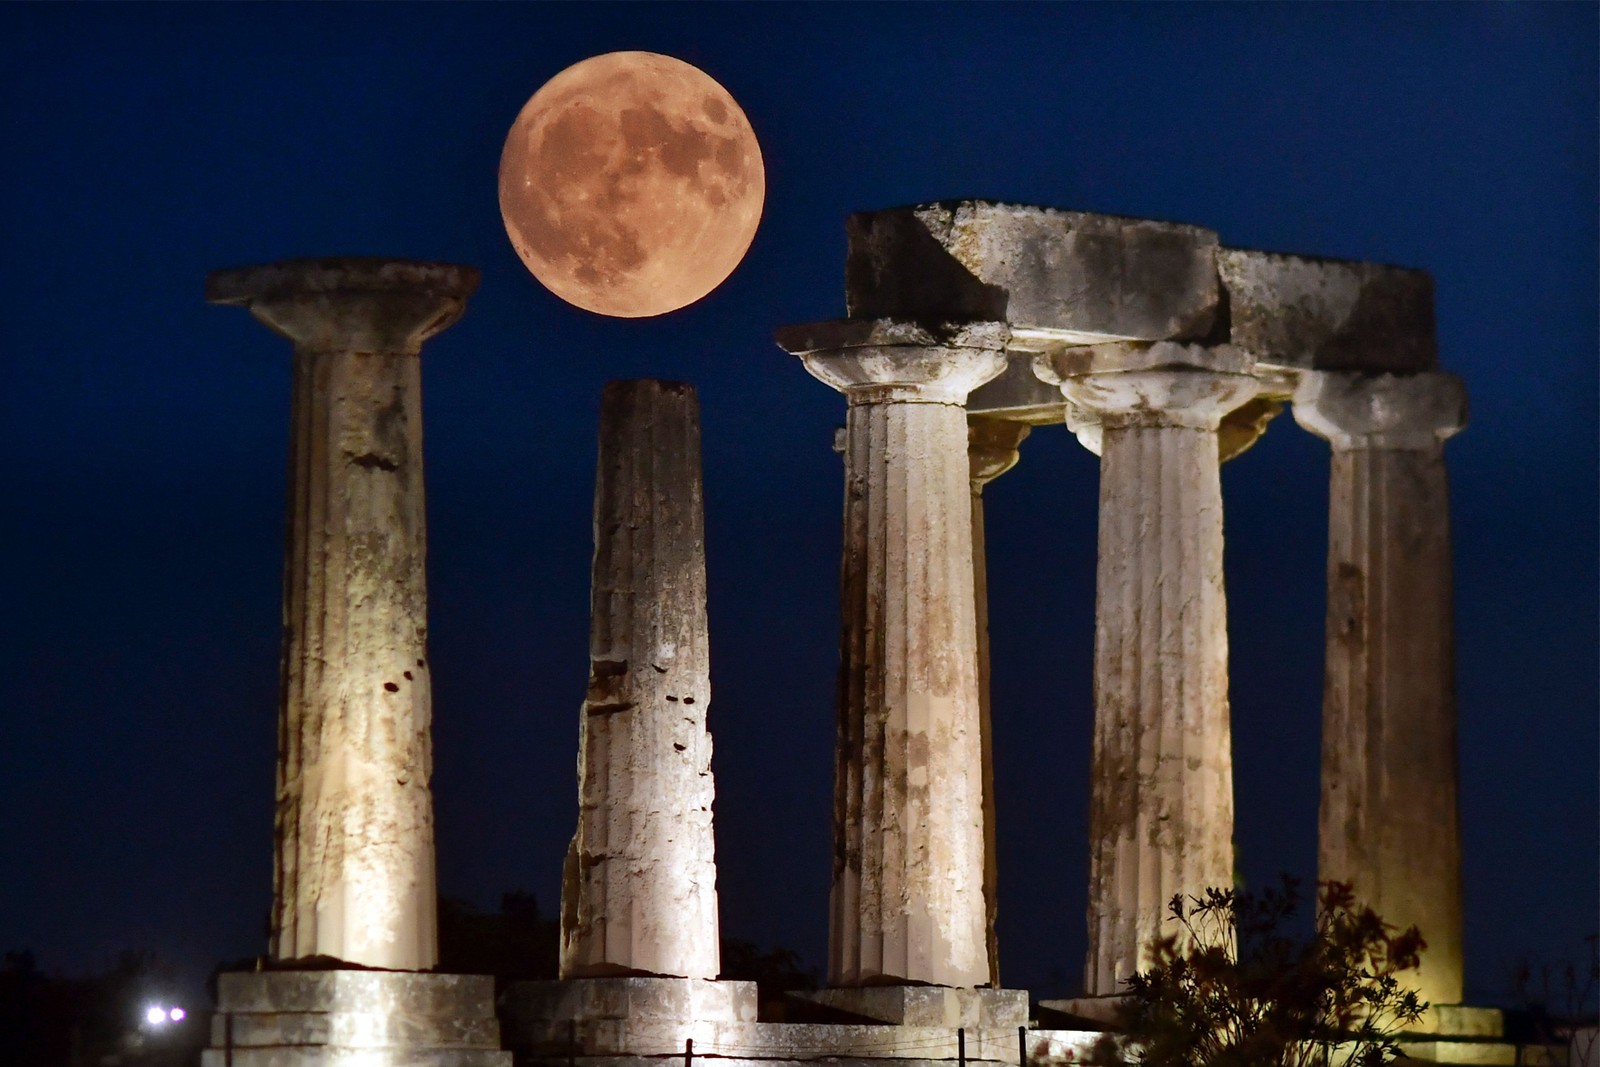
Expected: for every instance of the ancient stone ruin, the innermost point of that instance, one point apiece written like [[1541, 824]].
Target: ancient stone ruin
[[967, 323]]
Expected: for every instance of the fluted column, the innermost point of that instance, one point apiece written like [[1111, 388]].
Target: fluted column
[[907, 898], [354, 877], [991, 451], [1388, 822], [1161, 802], [640, 893]]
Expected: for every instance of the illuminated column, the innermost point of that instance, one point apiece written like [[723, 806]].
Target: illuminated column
[[1388, 822], [354, 879], [907, 900], [1161, 806], [991, 451], [640, 891]]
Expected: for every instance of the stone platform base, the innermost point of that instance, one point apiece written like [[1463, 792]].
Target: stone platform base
[[629, 1022], [354, 1019], [614, 1043], [925, 1005]]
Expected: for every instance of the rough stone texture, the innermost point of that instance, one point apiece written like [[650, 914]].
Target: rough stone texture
[[907, 897], [1161, 807], [1328, 314], [1060, 275], [354, 878], [991, 451], [1389, 822], [338, 1018], [904, 1005], [615, 1042], [681, 999], [640, 889], [1460, 1020]]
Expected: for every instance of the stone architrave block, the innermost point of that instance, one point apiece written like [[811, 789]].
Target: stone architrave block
[[1053, 276], [1306, 313]]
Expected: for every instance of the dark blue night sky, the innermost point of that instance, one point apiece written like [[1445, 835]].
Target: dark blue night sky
[[144, 433]]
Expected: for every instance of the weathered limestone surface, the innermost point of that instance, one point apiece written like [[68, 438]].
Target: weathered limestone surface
[[1389, 822], [1328, 314], [354, 878], [907, 899], [1050, 275], [925, 1005], [347, 1017], [647, 1043], [1161, 808], [992, 449], [640, 890]]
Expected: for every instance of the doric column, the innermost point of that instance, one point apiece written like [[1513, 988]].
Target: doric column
[[354, 878], [907, 898], [640, 892], [1388, 822], [991, 451], [1161, 807]]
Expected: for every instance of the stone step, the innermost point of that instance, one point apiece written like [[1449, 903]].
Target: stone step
[[336, 1056], [352, 1029], [437, 996]]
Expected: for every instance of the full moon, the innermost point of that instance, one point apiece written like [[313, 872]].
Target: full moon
[[631, 184]]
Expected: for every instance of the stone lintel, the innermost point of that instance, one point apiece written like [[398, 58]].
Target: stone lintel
[[1352, 410], [1070, 275], [349, 304], [925, 1005], [680, 999], [1061, 365], [887, 361], [1328, 314]]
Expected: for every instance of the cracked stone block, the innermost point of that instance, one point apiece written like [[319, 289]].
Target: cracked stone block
[[1052, 275], [1328, 314]]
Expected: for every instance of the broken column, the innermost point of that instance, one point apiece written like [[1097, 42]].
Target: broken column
[[640, 892], [992, 449], [907, 899], [1388, 822], [354, 877], [1161, 800]]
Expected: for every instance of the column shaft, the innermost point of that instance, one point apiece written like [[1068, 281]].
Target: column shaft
[[991, 451], [640, 892], [1388, 822], [1161, 807], [907, 897], [355, 871]]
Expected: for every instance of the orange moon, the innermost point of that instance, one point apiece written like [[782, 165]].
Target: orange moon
[[631, 184]]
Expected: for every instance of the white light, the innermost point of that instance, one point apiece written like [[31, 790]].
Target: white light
[[155, 1016], [177, 1015]]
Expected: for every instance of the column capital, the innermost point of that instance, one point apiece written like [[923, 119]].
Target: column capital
[[1407, 412], [350, 304], [992, 448], [875, 361], [1161, 384]]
